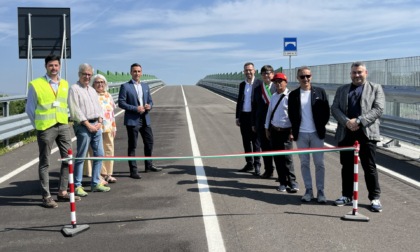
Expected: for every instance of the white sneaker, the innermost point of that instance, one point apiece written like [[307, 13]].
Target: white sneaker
[[342, 201], [376, 206], [282, 188]]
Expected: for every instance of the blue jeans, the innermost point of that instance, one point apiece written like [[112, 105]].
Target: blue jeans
[[84, 139], [311, 140]]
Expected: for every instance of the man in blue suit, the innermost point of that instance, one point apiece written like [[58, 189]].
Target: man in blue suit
[[135, 99]]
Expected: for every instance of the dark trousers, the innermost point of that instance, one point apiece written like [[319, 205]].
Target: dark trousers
[[367, 154], [147, 136], [60, 134], [250, 139], [265, 146], [284, 163]]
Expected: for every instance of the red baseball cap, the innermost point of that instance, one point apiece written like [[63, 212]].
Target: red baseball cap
[[281, 76]]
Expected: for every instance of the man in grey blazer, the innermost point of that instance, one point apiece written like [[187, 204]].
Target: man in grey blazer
[[135, 98], [357, 108]]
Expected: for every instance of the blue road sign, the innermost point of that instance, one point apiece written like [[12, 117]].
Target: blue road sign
[[290, 47]]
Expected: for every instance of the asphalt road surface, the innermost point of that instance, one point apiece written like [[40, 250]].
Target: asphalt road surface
[[203, 204]]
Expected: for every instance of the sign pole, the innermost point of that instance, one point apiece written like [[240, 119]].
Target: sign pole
[[290, 49]]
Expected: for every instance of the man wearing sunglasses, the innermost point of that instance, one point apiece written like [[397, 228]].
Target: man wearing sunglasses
[[309, 112]]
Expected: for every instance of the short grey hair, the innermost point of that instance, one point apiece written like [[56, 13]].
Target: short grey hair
[[85, 66], [300, 69]]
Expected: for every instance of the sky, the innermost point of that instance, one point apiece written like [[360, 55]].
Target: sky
[[182, 41]]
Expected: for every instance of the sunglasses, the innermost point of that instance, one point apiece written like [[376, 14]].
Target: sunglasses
[[305, 76], [278, 81]]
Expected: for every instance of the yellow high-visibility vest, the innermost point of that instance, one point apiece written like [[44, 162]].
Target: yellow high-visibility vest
[[51, 107]]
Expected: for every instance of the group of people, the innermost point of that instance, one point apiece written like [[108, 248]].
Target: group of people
[[91, 107], [271, 117]]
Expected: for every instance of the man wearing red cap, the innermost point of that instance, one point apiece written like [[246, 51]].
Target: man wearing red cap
[[279, 130]]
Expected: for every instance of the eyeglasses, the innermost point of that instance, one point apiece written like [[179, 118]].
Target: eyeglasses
[[305, 76], [86, 74], [99, 82], [266, 73]]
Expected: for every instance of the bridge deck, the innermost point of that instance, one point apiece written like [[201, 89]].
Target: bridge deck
[[163, 212]]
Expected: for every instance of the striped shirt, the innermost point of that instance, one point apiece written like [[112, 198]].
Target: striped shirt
[[84, 103]]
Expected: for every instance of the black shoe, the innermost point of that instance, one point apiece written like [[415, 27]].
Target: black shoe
[[247, 168], [135, 176], [257, 170], [153, 169], [293, 188], [267, 175]]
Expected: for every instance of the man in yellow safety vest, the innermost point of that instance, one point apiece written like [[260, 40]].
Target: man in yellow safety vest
[[46, 107]]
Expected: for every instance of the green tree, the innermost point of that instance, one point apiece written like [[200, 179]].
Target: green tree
[[17, 107]]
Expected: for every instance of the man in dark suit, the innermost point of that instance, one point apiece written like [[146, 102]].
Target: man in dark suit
[[262, 98], [135, 99], [250, 140], [309, 112]]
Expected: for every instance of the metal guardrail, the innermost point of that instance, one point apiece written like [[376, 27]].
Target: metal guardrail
[[394, 127], [14, 125], [402, 129]]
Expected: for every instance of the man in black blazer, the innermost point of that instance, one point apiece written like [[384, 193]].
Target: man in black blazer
[[135, 98], [262, 96], [250, 140], [309, 112]]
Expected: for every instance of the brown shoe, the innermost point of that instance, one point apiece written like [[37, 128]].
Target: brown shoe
[[110, 179], [66, 198], [49, 202]]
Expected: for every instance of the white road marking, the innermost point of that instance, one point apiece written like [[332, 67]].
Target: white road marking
[[211, 223], [26, 166]]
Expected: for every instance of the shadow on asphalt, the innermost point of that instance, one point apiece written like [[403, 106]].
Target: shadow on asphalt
[[237, 185], [17, 191]]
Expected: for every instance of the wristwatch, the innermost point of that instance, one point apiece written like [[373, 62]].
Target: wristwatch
[[358, 120]]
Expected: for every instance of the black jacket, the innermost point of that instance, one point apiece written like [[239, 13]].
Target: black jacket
[[240, 101], [320, 111]]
